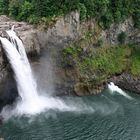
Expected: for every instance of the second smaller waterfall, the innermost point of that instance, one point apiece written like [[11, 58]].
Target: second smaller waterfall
[[113, 88]]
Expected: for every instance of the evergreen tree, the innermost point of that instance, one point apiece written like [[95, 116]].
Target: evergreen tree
[[4, 6]]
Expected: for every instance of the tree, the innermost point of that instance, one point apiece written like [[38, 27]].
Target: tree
[[136, 13], [26, 10], [83, 11], [15, 8], [122, 38], [107, 19], [4, 5]]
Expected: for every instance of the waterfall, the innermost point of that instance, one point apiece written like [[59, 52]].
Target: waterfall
[[30, 102], [113, 88], [17, 57], [26, 84]]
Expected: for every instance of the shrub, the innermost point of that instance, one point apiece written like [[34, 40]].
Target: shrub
[[26, 10], [4, 7], [33, 19], [83, 11], [107, 20], [15, 8], [136, 12], [105, 11], [135, 62], [122, 37], [100, 43], [136, 18]]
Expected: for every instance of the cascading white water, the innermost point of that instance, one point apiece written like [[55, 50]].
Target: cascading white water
[[113, 88], [20, 65], [26, 84], [31, 102]]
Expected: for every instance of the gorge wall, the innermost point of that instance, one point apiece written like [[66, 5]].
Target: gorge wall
[[50, 43]]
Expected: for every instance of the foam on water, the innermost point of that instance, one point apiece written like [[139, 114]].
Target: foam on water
[[113, 88]]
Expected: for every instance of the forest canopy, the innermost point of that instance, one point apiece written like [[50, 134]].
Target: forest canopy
[[105, 11]]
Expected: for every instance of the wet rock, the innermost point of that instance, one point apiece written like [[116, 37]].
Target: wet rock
[[127, 82], [8, 91], [82, 89]]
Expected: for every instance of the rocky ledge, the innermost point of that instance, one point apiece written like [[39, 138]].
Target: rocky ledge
[[26, 32]]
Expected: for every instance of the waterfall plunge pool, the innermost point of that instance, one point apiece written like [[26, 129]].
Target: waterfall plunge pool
[[101, 117], [35, 117]]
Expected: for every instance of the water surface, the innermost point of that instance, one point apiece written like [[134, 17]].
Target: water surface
[[100, 117]]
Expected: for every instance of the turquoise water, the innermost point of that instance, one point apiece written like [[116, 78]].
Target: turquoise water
[[100, 117]]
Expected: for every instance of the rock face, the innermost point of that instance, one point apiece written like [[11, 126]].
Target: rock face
[[26, 32], [68, 29], [50, 43], [110, 36], [2, 65], [132, 34], [65, 31]]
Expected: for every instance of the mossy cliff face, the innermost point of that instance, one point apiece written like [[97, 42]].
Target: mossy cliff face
[[100, 55], [83, 56], [98, 66]]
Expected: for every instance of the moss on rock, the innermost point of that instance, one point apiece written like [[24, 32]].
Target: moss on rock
[[99, 64]]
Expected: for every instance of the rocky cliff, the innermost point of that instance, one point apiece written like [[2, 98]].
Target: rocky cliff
[[50, 44]]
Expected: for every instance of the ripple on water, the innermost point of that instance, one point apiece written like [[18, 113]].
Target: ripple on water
[[123, 123]]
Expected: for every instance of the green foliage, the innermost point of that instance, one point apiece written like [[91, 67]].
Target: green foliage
[[100, 43], [83, 12], [105, 11], [102, 61], [107, 20], [136, 12], [137, 18], [26, 11], [73, 51], [33, 19], [95, 8], [122, 37], [135, 63], [107, 61], [117, 16], [4, 6], [14, 8]]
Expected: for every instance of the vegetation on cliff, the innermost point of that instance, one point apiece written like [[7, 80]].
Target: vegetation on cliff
[[92, 55], [101, 63], [105, 11], [135, 62]]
